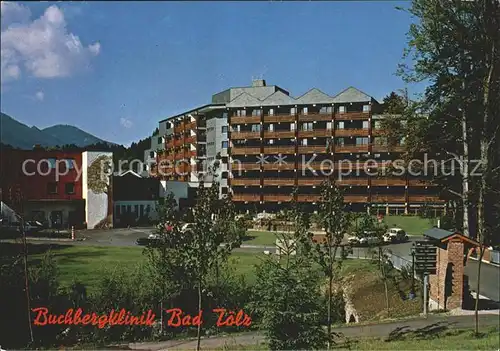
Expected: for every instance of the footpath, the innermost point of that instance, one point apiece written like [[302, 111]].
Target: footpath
[[433, 323]]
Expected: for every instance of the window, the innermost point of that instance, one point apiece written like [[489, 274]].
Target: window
[[52, 188], [241, 113], [148, 208], [224, 115], [292, 126], [361, 141], [365, 125], [255, 127], [326, 109], [256, 112], [151, 154], [341, 125], [52, 162], [340, 141], [224, 129], [307, 126], [304, 142], [160, 140], [366, 108], [124, 209], [224, 190], [70, 163], [293, 110], [304, 111], [328, 125], [224, 175], [141, 213], [69, 188], [271, 127], [136, 209], [271, 111], [271, 142], [341, 109], [224, 144]]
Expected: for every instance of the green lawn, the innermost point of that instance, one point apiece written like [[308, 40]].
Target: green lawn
[[88, 264], [260, 238], [413, 225]]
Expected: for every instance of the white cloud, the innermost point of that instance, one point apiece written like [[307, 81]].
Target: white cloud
[[39, 95], [43, 48], [126, 123]]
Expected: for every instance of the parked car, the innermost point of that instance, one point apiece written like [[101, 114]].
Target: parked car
[[353, 240], [394, 235], [369, 238]]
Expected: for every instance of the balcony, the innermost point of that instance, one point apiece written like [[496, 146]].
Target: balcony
[[313, 149], [388, 198], [351, 132], [308, 198], [420, 182], [311, 117], [170, 144], [354, 181], [351, 148], [279, 181], [245, 119], [190, 140], [245, 181], [179, 128], [279, 118], [279, 134], [317, 166], [245, 135], [190, 126], [386, 148], [178, 142], [277, 198], [310, 181], [289, 166], [245, 151], [246, 197], [315, 133], [347, 116], [279, 149], [356, 198], [424, 198], [388, 182], [179, 156], [237, 166]]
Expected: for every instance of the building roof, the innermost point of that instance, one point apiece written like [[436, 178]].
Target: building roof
[[445, 235], [199, 108], [279, 98], [351, 94], [244, 99], [314, 96]]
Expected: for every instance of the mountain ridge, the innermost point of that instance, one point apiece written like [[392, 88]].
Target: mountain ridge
[[20, 135]]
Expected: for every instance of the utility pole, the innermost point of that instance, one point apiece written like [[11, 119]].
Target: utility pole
[[426, 284]]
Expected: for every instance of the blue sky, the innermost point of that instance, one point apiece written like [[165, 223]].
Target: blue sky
[[115, 69]]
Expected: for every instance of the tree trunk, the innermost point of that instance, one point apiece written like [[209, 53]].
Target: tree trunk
[[465, 175], [199, 309], [476, 307], [329, 318], [26, 280]]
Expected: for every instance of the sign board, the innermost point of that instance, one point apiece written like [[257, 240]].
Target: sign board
[[425, 254]]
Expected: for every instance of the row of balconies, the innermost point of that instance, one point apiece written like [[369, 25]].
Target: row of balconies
[[312, 149], [347, 198], [301, 117], [318, 180], [184, 126], [301, 133]]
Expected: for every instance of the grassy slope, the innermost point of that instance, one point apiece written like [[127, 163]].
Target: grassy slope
[[413, 225]]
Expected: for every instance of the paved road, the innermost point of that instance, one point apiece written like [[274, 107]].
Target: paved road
[[429, 325], [122, 237]]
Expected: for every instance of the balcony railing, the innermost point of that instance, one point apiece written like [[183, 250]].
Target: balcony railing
[[279, 134], [352, 115], [279, 181], [245, 181], [245, 150], [236, 166], [354, 181], [356, 198], [246, 197], [245, 119], [310, 117], [388, 182], [178, 142], [388, 198], [279, 149], [315, 133], [424, 198], [279, 118], [420, 182], [351, 148], [170, 144], [282, 166], [308, 198], [351, 132], [190, 126], [190, 140], [245, 135], [312, 149], [310, 181], [277, 198]]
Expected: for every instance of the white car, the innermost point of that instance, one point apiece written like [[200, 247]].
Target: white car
[[369, 240], [353, 240], [395, 235]]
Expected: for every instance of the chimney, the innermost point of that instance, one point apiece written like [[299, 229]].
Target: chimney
[[258, 83]]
